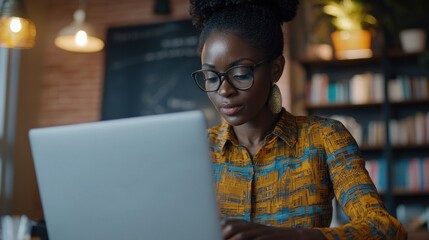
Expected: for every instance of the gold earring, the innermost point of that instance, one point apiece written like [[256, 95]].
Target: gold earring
[[275, 99]]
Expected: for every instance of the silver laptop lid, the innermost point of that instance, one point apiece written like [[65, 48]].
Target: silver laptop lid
[[137, 178]]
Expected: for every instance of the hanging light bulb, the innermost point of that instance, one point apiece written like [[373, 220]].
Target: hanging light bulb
[[16, 31], [78, 36]]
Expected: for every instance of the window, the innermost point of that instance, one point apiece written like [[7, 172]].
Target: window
[[3, 92], [3, 87], [9, 77]]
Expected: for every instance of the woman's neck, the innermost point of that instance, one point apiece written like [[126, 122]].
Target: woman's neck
[[252, 134]]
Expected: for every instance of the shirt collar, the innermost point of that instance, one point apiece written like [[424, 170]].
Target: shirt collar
[[285, 129]]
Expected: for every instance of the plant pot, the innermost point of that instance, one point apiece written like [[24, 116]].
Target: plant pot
[[352, 44], [413, 40]]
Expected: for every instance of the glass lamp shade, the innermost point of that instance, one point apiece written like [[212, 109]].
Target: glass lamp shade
[[17, 32], [78, 37]]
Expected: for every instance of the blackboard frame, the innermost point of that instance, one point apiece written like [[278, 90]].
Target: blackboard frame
[[148, 71]]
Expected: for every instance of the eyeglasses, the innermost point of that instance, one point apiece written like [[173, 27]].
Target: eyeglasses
[[240, 77]]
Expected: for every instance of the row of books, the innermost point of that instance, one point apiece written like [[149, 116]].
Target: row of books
[[373, 134], [365, 88], [412, 130], [360, 89], [410, 174], [405, 88]]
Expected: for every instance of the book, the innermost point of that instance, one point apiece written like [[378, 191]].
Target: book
[[394, 90], [425, 170], [419, 123], [406, 87], [394, 126], [424, 87], [361, 88], [414, 175], [427, 127], [319, 83], [400, 174], [332, 92], [378, 88], [377, 170]]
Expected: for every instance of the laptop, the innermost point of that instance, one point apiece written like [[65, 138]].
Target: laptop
[[137, 178]]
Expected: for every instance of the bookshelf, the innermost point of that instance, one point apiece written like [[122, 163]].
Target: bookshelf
[[384, 102]]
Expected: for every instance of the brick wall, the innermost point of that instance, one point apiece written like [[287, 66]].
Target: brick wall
[[58, 87], [72, 82]]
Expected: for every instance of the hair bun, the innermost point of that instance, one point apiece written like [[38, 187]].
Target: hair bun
[[201, 10]]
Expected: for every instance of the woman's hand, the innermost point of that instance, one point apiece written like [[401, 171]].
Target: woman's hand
[[237, 229]]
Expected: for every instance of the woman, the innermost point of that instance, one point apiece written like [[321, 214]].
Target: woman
[[276, 174]]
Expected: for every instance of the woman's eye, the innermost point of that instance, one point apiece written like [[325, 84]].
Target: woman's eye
[[212, 79], [242, 77]]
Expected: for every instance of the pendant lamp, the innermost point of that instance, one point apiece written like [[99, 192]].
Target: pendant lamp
[[79, 36], [16, 31]]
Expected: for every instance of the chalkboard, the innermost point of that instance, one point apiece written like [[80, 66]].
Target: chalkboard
[[148, 71]]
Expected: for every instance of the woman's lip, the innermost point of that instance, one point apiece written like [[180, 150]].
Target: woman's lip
[[230, 109]]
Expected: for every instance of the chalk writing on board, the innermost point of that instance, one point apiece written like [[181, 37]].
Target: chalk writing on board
[[148, 71]]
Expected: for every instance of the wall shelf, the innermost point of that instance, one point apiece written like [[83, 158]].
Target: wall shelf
[[392, 65], [342, 106]]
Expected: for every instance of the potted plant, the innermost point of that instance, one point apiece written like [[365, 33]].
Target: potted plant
[[407, 22], [351, 19]]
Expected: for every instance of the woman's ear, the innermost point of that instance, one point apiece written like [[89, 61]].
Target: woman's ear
[[277, 67]]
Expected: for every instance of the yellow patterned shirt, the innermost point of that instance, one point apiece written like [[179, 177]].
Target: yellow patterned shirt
[[292, 179]]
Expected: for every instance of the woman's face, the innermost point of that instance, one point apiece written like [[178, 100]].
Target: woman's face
[[222, 51]]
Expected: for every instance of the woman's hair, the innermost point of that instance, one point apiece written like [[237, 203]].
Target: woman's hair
[[257, 21]]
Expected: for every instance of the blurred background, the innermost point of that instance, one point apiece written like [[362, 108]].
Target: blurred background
[[365, 63]]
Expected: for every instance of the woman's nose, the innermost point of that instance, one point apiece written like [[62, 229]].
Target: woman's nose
[[225, 88]]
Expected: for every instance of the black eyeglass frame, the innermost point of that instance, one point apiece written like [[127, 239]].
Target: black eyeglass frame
[[225, 75]]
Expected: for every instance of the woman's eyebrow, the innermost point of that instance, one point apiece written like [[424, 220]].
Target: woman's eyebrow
[[207, 65], [238, 61]]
